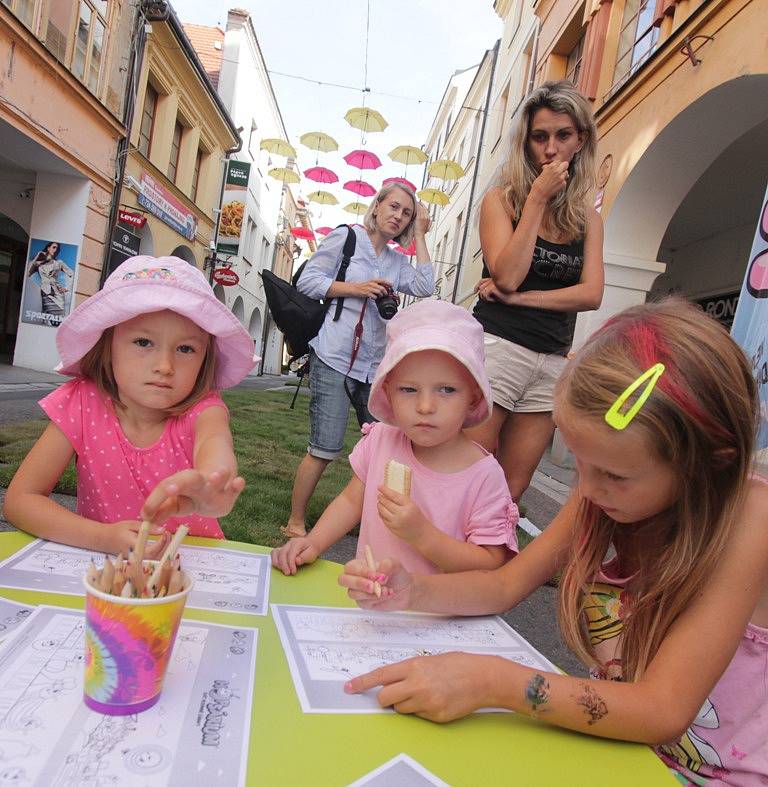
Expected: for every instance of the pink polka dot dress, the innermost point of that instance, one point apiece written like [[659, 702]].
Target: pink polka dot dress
[[114, 477]]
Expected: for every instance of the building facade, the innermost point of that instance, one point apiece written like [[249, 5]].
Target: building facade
[[235, 63], [180, 139], [62, 89]]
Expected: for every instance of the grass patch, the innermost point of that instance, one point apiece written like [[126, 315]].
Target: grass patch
[[270, 441]]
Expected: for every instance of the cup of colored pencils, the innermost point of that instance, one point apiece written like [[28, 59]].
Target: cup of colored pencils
[[133, 608]]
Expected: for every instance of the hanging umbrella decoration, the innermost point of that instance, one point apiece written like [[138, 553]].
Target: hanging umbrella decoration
[[366, 119], [356, 208], [433, 196], [362, 159], [446, 169], [284, 174], [278, 147], [407, 155], [323, 230], [403, 181], [322, 198], [302, 233], [360, 187], [321, 175], [320, 141]]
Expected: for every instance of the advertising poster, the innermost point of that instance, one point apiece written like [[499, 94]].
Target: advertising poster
[[233, 207], [48, 282], [750, 325], [161, 203]]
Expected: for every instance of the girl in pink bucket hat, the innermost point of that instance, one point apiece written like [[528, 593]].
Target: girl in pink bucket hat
[[142, 416], [430, 385]]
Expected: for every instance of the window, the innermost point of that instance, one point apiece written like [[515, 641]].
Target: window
[[196, 175], [173, 163], [24, 10], [148, 120], [55, 32], [265, 261], [89, 42], [573, 65], [637, 39]]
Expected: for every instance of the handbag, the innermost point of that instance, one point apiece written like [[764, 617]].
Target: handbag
[[297, 316]]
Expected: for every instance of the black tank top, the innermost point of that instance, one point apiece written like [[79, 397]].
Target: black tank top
[[554, 266]]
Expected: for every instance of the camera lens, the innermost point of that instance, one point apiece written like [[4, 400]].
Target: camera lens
[[387, 306]]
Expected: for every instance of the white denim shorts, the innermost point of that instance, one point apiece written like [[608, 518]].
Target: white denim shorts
[[522, 381]]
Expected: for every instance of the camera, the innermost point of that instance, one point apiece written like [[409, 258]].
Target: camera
[[387, 304]]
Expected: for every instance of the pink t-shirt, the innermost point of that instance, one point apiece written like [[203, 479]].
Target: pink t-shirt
[[114, 477], [471, 505], [727, 743]]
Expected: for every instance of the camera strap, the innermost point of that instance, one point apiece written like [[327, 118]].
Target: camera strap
[[357, 336]]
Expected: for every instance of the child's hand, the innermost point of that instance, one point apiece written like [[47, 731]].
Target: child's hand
[[396, 584], [439, 688], [402, 516], [191, 492], [297, 552], [124, 534]]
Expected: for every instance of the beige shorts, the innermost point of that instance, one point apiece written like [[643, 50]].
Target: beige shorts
[[522, 381]]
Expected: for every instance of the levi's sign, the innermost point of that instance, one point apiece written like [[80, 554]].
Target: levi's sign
[[134, 219]]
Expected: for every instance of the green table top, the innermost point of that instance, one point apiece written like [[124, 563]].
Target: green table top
[[289, 747]]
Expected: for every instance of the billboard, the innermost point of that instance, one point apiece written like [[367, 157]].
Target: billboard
[[233, 207], [161, 203], [48, 282]]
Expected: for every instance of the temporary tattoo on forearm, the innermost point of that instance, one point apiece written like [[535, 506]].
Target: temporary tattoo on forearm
[[537, 693], [593, 704]]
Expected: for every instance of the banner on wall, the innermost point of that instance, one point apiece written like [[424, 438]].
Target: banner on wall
[[233, 207], [160, 202], [48, 282], [750, 324]]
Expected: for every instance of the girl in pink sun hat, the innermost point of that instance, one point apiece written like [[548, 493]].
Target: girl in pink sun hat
[[142, 417], [431, 384]]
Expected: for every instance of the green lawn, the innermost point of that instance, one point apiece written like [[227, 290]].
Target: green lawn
[[270, 440]]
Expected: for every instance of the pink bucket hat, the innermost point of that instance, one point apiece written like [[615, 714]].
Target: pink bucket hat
[[144, 284], [433, 325]]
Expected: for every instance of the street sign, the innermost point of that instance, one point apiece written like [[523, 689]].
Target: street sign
[[226, 277], [134, 219], [124, 245]]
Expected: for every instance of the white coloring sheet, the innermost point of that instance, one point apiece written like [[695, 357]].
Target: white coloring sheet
[[226, 580], [400, 771], [11, 615], [197, 733], [326, 646]]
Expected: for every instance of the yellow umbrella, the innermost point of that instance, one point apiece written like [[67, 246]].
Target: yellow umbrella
[[366, 119], [284, 174], [433, 196], [408, 154], [323, 197], [278, 146], [356, 207], [446, 169], [318, 140]]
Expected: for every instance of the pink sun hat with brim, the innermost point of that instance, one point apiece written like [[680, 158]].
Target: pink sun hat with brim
[[433, 325], [145, 284]]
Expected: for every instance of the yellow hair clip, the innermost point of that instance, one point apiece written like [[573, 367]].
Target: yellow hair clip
[[622, 420]]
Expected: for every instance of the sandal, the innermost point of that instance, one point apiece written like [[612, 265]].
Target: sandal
[[290, 533]]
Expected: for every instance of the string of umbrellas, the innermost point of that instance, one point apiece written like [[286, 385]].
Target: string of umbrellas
[[368, 120]]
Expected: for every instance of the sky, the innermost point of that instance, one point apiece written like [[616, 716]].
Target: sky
[[414, 46]]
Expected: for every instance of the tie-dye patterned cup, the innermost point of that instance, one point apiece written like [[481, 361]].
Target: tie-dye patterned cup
[[128, 644]]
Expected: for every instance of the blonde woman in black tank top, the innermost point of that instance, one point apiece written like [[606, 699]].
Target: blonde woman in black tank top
[[543, 262]]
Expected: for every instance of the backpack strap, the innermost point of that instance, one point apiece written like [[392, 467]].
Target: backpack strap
[[346, 255]]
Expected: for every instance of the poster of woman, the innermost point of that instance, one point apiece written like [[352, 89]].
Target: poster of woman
[[48, 282]]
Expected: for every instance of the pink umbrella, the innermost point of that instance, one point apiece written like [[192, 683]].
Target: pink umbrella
[[399, 180], [360, 187], [409, 252], [323, 230], [362, 159], [321, 175], [302, 233]]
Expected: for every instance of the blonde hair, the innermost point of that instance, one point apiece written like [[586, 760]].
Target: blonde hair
[[369, 222], [568, 209], [96, 365], [701, 419]]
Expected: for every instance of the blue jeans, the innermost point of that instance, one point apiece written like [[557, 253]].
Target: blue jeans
[[330, 395]]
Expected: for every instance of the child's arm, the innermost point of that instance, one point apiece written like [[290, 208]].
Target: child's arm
[[656, 709], [407, 521], [29, 507], [342, 514], [212, 486]]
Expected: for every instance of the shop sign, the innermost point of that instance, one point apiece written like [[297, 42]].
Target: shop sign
[[233, 206], [721, 307], [124, 245], [134, 219], [48, 289], [750, 325], [226, 277], [161, 203]]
